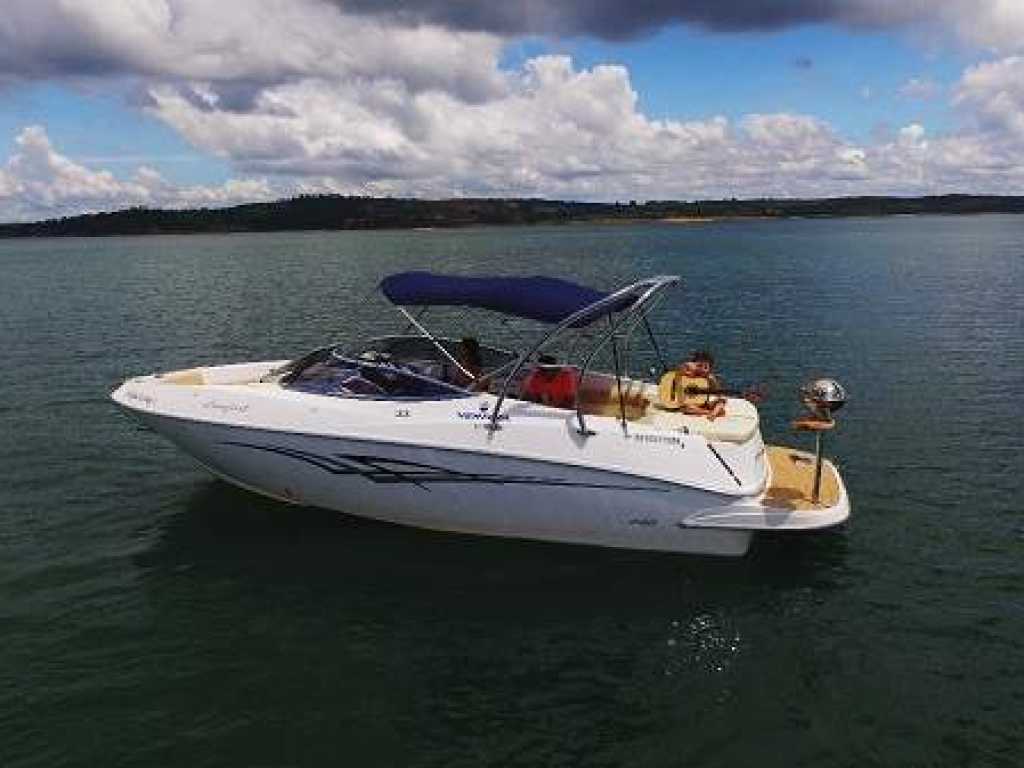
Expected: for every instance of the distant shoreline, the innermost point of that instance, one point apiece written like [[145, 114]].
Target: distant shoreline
[[335, 212]]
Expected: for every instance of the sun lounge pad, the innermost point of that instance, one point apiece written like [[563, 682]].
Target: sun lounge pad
[[737, 425]]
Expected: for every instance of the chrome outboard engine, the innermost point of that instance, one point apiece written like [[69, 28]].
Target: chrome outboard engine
[[822, 397]]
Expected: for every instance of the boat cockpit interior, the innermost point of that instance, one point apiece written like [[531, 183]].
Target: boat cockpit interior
[[416, 368]]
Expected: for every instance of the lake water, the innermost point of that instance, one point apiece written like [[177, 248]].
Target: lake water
[[150, 615]]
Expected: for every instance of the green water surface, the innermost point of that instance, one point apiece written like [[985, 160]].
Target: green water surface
[[150, 615]]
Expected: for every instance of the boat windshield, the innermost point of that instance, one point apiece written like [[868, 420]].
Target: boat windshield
[[436, 357], [328, 372]]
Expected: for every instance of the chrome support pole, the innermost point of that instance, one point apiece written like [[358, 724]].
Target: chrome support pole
[[654, 343], [419, 317], [823, 397], [816, 491], [440, 347], [618, 374], [628, 316], [644, 290]]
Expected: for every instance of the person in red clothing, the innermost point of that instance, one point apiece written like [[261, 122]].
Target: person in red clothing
[[550, 384]]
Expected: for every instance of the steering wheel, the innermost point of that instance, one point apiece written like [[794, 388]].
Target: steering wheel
[[358, 385], [375, 356]]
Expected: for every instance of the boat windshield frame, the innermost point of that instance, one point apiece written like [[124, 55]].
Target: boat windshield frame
[[359, 369]]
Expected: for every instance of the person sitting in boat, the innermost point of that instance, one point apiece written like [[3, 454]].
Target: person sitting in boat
[[693, 387], [468, 355], [550, 384]]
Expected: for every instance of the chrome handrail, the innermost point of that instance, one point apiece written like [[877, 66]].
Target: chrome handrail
[[440, 347], [632, 313], [644, 289]]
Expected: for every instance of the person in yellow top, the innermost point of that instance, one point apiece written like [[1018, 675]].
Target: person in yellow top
[[693, 387]]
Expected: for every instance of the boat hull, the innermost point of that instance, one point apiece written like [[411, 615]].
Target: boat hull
[[458, 491], [438, 464]]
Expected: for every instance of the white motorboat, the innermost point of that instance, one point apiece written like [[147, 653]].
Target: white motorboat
[[454, 435]]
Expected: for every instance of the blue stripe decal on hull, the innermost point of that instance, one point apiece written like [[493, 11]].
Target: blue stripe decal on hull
[[394, 471]]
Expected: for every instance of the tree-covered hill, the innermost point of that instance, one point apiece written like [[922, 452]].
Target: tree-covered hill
[[340, 212]]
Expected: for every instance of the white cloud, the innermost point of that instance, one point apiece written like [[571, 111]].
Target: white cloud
[[254, 42], [239, 43], [997, 25], [49, 178], [913, 136], [560, 132], [991, 25], [555, 131], [8, 185], [994, 92], [319, 100], [38, 182], [922, 88]]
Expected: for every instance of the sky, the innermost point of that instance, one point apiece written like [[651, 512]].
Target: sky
[[106, 104]]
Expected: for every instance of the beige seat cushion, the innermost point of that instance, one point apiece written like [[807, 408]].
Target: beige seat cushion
[[737, 425], [192, 377]]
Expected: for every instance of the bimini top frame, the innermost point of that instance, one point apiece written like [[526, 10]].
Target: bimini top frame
[[631, 303], [564, 304]]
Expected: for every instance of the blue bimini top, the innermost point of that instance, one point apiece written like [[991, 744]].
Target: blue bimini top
[[547, 299]]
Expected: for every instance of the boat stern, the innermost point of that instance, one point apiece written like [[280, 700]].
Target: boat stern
[[787, 502]]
